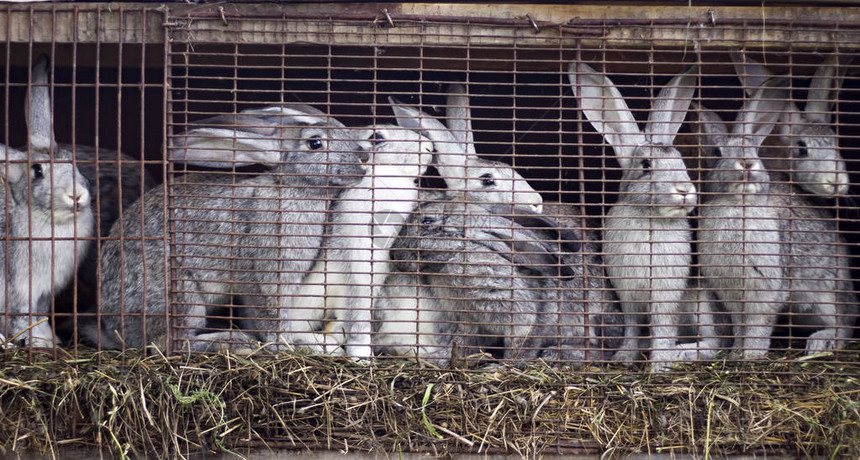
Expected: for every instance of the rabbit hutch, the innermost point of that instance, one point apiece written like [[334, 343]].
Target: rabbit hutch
[[599, 228]]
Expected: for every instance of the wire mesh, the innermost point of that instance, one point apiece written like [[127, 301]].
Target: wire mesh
[[470, 189]]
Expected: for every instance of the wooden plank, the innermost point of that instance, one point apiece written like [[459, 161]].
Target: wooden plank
[[437, 25]]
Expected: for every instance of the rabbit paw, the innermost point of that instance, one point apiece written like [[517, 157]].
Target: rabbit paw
[[821, 341], [627, 356], [319, 343]]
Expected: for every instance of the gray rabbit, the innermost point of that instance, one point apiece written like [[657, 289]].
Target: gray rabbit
[[813, 275], [250, 238], [809, 152], [478, 273], [47, 222], [822, 293], [647, 232], [741, 256], [119, 178]]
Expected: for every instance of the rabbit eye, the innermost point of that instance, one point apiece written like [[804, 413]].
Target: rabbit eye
[[315, 143], [377, 138], [427, 220], [487, 180], [37, 171], [646, 164], [803, 152]]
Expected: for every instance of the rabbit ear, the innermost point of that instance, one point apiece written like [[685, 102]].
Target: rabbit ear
[[38, 106], [12, 168], [751, 74], [824, 89], [294, 115], [250, 140], [460, 118], [670, 108], [549, 229], [538, 249], [451, 158], [603, 105], [762, 110], [711, 124]]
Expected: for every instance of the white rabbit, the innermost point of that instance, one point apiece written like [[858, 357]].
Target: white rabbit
[[741, 258], [251, 239], [46, 210], [646, 233], [462, 170], [367, 218], [813, 159]]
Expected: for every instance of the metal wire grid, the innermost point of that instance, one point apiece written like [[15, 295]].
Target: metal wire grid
[[98, 96], [522, 112]]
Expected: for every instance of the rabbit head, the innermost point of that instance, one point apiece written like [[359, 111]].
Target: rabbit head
[[813, 152], [50, 188], [393, 146], [735, 168], [441, 234], [298, 141], [654, 175], [463, 171]]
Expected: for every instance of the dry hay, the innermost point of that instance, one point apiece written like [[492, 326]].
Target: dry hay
[[137, 405]]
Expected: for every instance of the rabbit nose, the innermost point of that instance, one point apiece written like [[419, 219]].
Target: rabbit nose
[[749, 165], [79, 200], [839, 183], [684, 189]]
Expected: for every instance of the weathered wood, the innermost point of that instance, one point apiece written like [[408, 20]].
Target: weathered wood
[[437, 25]]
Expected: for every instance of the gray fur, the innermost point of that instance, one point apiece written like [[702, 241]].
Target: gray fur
[[739, 231], [808, 142], [478, 274], [46, 222], [251, 238], [119, 178], [646, 233]]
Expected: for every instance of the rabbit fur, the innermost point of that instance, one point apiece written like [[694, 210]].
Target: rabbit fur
[[265, 230], [809, 143], [47, 222], [646, 233], [118, 180], [460, 167], [366, 219], [821, 291], [480, 274], [740, 253]]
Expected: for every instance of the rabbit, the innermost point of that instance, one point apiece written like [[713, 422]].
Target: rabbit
[[821, 293], [646, 232], [476, 272], [740, 253], [264, 230], [461, 169], [47, 220], [813, 160], [367, 217], [117, 178]]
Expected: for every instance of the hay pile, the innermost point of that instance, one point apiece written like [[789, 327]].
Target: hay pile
[[139, 405]]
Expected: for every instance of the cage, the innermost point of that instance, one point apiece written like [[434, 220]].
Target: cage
[[438, 228]]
